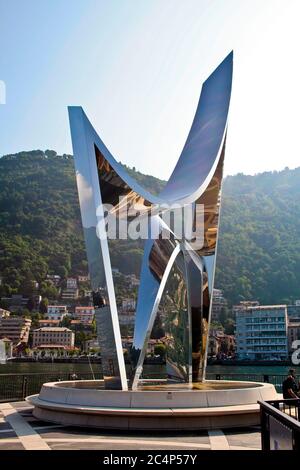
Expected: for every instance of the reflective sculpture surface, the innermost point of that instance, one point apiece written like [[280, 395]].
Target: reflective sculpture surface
[[177, 264]]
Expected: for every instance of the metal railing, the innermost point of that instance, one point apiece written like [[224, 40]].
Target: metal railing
[[15, 387], [274, 379], [280, 424]]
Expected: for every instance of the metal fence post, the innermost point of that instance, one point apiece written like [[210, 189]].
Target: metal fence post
[[296, 440], [24, 386], [265, 431]]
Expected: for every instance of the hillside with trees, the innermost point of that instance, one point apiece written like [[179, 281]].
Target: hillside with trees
[[41, 233]]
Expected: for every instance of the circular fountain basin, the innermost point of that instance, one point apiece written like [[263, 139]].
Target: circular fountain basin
[[154, 406]]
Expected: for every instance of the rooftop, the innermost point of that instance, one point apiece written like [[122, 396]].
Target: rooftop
[[52, 329], [84, 308], [57, 306], [53, 346], [49, 321], [245, 309]]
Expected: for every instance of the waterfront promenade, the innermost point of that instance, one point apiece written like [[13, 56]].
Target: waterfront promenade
[[19, 430]]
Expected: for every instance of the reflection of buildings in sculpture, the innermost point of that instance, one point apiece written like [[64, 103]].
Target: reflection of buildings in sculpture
[[132, 280], [220, 344], [126, 313], [128, 305], [90, 345], [175, 272]]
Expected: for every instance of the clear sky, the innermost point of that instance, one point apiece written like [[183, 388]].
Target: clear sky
[[136, 67]]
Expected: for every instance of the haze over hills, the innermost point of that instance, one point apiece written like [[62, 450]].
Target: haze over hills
[[40, 229]]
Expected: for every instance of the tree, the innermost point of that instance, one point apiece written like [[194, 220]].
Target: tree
[[66, 321], [229, 326], [30, 304], [160, 350], [157, 330], [48, 290], [44, 305], [41, 233], [50, 153]]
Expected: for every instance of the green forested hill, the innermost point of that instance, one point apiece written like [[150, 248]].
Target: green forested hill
[[259, 250], [40, 229]]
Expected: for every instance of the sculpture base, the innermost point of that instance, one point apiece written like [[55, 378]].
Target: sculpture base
[[207, 405]]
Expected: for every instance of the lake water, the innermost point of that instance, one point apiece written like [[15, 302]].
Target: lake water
[[35, 367]]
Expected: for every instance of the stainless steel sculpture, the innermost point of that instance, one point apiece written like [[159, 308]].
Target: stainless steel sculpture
[[189, 270]]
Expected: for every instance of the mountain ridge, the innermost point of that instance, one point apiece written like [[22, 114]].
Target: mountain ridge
[[258, 253]]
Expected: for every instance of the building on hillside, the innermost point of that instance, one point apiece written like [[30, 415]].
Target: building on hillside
[[36, 301], [72, 283], [16, 302], [83, 278], [8, 345], [43, 323], [56, 337], [293, 335], [56, 312], [219, 303], [16, 329], [261, 332], [54, 278], [77, 325], [4, 313], [84, 314], [70, 293], [293, 313], [244, 305]]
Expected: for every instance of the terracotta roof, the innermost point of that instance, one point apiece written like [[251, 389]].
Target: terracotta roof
[[84, 308], [57, 346], [49, 321], [52, 329]]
